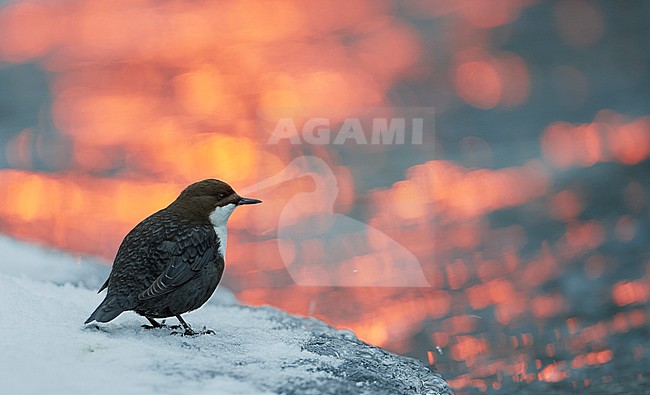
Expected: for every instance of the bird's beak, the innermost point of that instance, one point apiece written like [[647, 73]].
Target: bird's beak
[[248, 201]]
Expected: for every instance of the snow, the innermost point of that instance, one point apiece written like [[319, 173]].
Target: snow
[[46, 297]]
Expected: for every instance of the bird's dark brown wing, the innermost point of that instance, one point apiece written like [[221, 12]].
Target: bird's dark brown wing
[[187, 254]]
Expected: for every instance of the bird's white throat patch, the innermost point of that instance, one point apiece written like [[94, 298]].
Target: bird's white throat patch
[[219, 218]]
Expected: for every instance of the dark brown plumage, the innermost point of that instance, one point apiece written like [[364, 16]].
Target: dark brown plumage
[[172, 261]]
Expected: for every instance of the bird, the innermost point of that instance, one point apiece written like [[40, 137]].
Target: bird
[[172, 261]]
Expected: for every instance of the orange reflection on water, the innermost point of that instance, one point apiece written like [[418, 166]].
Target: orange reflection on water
[[608, 138], [485, 81]]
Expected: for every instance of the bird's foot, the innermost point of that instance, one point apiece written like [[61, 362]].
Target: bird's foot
[[186, 332], [188, 329], [192, 332]]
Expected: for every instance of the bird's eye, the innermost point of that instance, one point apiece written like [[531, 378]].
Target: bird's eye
[[222, 195]]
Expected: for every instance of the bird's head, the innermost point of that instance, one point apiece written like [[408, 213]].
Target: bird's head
[[210, 199]]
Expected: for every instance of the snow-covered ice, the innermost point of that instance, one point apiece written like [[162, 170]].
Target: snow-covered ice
[[45, 349]]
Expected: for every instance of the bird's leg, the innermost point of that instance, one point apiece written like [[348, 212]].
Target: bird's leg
[[188, 328], [154, 324]]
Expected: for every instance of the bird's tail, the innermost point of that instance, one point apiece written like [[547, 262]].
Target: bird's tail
[[106, 311]]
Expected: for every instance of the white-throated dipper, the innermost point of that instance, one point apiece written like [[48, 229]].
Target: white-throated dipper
[[172, 261]]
